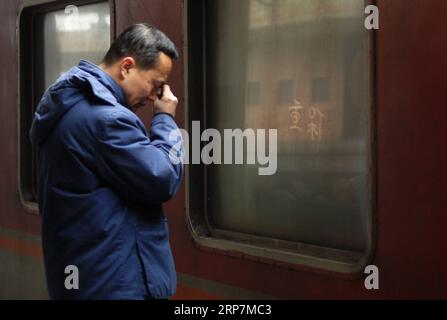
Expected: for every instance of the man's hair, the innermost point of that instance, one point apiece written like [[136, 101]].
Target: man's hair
[[143, 43]]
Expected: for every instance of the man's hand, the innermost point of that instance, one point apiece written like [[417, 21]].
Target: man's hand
[[167, 103]]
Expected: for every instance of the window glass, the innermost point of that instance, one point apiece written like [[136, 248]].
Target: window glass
[[71, 34], [254, 93], [310, 57], [285, 92]]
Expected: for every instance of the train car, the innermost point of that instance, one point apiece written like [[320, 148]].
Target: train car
[[345, 194]]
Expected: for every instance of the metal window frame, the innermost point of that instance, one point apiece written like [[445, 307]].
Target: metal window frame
[[26, 98], [337, 263]]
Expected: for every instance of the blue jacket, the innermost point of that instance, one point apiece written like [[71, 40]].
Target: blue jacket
[[101, 182]]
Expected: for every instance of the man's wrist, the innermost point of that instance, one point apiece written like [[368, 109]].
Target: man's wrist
[[169, 114]]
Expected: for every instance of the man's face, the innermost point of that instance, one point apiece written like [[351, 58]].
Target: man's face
[[140, 85]]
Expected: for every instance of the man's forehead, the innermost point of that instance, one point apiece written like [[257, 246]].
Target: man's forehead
[[164, 63]]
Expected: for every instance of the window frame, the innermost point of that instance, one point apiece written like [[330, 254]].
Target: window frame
[[338, 263], [27, 97]]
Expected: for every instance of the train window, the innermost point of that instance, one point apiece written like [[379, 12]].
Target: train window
[[312, 59], [285, 92], [53, 38], [254, 93], [320, 90]]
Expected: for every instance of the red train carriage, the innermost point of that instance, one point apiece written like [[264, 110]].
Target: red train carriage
[[360, 175]]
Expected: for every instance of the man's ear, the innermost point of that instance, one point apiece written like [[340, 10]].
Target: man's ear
[[126, 65]]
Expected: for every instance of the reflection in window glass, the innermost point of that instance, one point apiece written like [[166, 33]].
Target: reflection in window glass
[[286, 92], [68, 37], [319, 194], [320, 90], [254, 93]]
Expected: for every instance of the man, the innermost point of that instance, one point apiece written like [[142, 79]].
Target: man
[[102, 179]]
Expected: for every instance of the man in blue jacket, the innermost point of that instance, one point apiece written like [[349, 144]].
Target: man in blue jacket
[[102, 178]]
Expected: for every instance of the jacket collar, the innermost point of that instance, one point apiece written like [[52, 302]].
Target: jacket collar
[[100, 81]]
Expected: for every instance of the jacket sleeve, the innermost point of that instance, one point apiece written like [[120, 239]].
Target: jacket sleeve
[[137, 167]]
